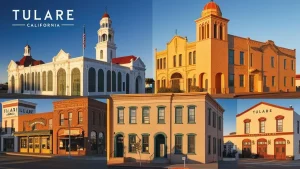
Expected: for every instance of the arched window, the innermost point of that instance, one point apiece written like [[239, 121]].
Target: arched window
[[109, 37], [50, 80], [104, 37], [32, 81], [127, 83], [92, 80], [207, 30], [190, 58], [28, 82], [101, 143], [106, 25], [44, 81], [194, 57], [101, 54], [93, 140], [221, 32], [75, 79], [108, 81], [215, 30], [119, 81], [39, 81], [100, 80], [114, 81], [203, 30]]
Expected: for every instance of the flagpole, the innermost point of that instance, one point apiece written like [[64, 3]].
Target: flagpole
[[83, 45]]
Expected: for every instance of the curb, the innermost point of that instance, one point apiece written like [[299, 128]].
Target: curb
[[28, 155], [57, 157]]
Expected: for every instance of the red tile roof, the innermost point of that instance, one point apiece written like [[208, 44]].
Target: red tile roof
[[211, 5], [123, 59], [28, 60], [298, 76], [105, 15]]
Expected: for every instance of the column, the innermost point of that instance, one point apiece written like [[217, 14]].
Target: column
[[51, 148]]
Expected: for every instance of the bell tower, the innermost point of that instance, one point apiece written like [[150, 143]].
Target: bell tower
[[106, 47], [27, 50], [212, 44]]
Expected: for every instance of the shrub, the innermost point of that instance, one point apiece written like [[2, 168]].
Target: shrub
[[169, 90], [195, 89]]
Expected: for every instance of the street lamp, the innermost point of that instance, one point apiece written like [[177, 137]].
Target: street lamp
[[69, 136]]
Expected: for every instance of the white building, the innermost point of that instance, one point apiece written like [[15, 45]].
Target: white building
[[11, 110], [79, 76]]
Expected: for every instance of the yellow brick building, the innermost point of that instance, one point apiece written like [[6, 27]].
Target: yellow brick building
[[220, 63]]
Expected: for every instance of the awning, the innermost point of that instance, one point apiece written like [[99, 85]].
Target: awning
[[33, 133]]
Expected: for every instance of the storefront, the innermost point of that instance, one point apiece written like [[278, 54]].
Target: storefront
[[39, 141], [76, 139]]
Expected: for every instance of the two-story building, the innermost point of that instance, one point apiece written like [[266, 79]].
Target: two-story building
[[11, 112], [219, 63], [164, 128], [268, 130]]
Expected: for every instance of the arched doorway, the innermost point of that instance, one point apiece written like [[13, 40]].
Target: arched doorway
[[262, 145], [160, 146], [12, 84], [101, 143], [175, 80], [92, 80], [61, 82], [219, 81], [119, 145], [246, 148], [280, 149], [138, 83], [75, 82], [203, 82], [22, 83]]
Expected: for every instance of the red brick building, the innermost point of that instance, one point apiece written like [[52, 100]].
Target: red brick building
[[49, 132]]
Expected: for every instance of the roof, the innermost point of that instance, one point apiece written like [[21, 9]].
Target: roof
[[28, 60], [273, 105], [211, 5], [105, 15], [298, 76], [123, 59]]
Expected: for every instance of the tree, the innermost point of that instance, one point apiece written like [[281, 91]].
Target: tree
[[138, 148]]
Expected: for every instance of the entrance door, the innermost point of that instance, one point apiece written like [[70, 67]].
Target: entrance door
[[262, 148], [160, 146], [119, 146], [37, 145], [251, 83], [246, 152], [8, 144], [279, 149]]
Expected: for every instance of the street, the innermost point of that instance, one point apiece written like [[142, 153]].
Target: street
[[20, 162], [272, 164]]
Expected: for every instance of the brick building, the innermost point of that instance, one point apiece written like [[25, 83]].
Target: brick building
[[49, 132]]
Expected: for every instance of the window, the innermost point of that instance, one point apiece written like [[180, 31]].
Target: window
[[284, 63], [265, 80], [178, 144], [251, 59], [50, 124], [215, 30], [164, 63], [272, 62], [247, 128], [284, 81], [209, 116], [178, 115], [191, 144], [23, 142], [292, 64], [231, 57], [61, 122], [161, 115], [220, 123], [241, 58], [298, 127], [145, 146], [5, 126], [180, 60], [70, 118], [194, 57], [292, 81], [157, 63], [214, 119], [12, 125], [132, 114], [279, 125], [191, 114], [174, 61], [132, 141], [273, 80], [146, 115], [262, 126], [214, 145], [80, 119], [190, 58], [241, 80], [121, 115], [231, 80], [93, 141], [209, 150]]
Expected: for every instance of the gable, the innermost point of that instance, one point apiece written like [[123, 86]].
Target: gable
[[139, 63], [62, 55], [12, 65]]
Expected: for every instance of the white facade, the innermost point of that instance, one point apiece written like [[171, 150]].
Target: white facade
[[80, 76], [11, 110]]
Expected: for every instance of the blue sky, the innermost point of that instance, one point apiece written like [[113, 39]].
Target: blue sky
[[131, 20]]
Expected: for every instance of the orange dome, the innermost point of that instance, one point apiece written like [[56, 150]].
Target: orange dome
[[105, 15], [211, 8]]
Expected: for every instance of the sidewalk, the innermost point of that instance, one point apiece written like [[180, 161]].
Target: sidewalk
[[88, 157], [136, 165]]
